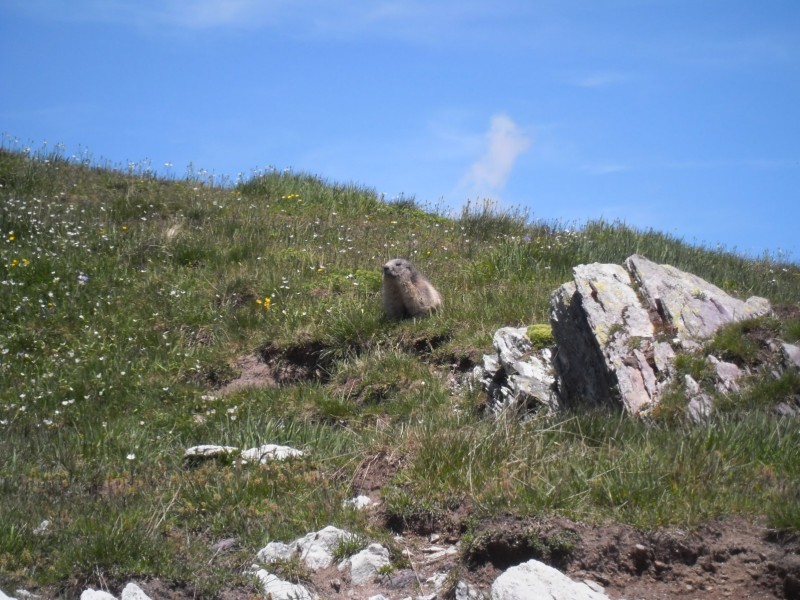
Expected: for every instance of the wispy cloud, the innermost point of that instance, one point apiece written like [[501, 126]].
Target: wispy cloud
[[504, 142]]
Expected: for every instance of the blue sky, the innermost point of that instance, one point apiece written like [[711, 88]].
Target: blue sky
[[678, 115]]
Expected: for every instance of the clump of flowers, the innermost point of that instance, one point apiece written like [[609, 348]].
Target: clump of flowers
[[265, 303]]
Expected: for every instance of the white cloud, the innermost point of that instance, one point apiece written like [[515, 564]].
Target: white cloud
[[504, 142]]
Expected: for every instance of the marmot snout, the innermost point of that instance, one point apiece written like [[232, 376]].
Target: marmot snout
[[407, 292]]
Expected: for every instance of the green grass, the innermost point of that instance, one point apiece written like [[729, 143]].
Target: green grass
[[125, 299]]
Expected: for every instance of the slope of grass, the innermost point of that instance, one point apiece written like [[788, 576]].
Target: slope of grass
[[126, 299]]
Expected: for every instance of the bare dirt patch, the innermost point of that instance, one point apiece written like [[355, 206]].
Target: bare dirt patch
[[274, 366]]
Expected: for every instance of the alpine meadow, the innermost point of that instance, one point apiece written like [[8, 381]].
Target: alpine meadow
[[144, 315]]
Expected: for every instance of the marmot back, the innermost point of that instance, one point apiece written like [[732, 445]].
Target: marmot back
[[407, 292]]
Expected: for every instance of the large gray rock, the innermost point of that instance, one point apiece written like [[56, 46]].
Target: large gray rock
[[611, 323], [606, 340], [534, 580], [693, 306]]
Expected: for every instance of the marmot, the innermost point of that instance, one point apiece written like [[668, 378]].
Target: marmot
[[407, 292]]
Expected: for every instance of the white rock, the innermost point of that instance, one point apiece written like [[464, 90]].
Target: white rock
[[278, 589], [3, 596], [437, 580], [133, 592], [42, 528], [364, 565], [791, 354], [527, 380], [268, 452], [209, 451], [378, 597], [595, 586], [727, 374], [534, 580], [464, 591], [359, 502], [91, 594], [275, 551], [315, 549]]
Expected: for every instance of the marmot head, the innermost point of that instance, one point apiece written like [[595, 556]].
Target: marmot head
[[398, 268]]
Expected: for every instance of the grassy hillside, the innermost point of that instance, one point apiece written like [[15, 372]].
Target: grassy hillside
[[127, 300]]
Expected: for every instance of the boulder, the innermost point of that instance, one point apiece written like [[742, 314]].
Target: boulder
[[3, 596], [693, 306], [534, 580], [606, 340], [614, 327]]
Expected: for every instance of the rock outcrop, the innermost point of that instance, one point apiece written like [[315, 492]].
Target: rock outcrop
[[616, 330], [518, 377]]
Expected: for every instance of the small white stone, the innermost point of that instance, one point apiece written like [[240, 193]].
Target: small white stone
[[277, 589], [209, 451], [91, 594], [42, 528], [359, 502], [134, 592], [268, 452]]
